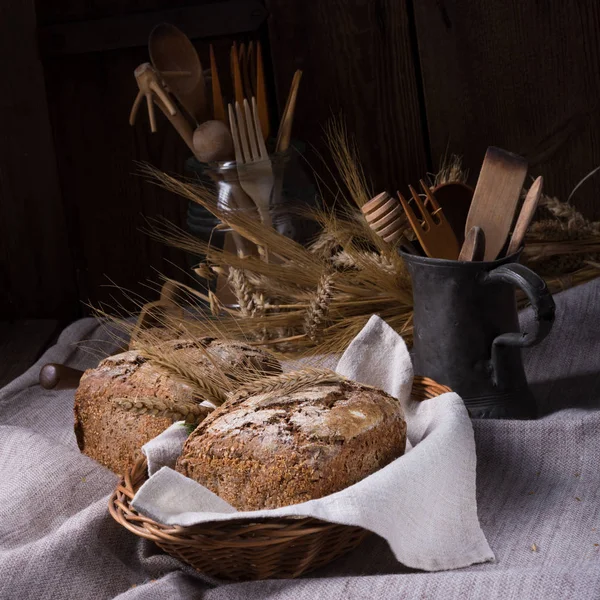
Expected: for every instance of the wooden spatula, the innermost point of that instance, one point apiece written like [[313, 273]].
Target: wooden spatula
[[525, 216], [496, 197], [473, 248]]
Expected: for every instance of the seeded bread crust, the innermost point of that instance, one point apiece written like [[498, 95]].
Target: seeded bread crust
[[114, 436], [269, 451]]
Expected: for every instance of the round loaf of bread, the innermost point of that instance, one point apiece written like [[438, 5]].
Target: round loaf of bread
[[273, 450], [113, 436]]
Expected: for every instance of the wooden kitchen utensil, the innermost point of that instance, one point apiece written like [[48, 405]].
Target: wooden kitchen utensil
[[236, 75], [253, 162], [213, 142], [496, 197], [217, 97], [455, 199], [149, 86], [431, 228], [250, 67], [261, 93], [245, 58], [386, 218], [474, 245], [384, 215], [284, 135], [525, 216], [152, 88], [54, 376], [171, 51], [287, 118]]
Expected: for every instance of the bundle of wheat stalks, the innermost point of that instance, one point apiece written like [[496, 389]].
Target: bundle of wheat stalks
[[316, 299], [228, 381]]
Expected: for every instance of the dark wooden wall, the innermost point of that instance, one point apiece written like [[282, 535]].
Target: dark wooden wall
[[414, 80]]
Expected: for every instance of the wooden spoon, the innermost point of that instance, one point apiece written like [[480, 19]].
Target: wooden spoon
[[171, 51], [213, 142], [525, 216], [474, 247], [496, 197]]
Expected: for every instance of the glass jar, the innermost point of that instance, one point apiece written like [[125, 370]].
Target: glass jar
[[289, 200], [290, 196]]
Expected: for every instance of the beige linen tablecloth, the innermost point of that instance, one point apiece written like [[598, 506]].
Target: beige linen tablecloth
[[538, 496]]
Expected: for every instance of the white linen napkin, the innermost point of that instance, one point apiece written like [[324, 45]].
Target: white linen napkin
[[423, 503]]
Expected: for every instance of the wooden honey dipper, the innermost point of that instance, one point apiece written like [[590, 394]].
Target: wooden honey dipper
[[384, 214]]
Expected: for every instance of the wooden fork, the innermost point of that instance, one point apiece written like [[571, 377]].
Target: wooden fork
[[436, 236], [253, 163]]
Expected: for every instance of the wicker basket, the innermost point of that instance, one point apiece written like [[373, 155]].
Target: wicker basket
[[260, 549]]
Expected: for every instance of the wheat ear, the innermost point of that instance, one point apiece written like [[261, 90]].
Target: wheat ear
[[243, 291], [319, 306], [286, 383], [190, 375], [177, 410]]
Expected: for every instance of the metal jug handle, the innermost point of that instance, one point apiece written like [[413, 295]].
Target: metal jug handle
[[541, 301]]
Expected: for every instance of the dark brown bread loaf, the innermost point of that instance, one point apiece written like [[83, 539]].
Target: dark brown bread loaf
[[113, 436], [273, 450]]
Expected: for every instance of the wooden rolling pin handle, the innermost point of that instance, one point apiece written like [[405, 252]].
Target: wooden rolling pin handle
[[59, 377]]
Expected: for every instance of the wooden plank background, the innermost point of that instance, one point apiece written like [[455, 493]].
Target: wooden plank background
[[413, 80], [36, 276], [518, 74], [357, 61]]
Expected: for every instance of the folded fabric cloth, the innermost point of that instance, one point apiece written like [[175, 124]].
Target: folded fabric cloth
[[538, 495], [423, 503]]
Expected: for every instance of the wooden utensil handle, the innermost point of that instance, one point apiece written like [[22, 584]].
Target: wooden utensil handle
[[180, 123], [54, 376], [473, 248]]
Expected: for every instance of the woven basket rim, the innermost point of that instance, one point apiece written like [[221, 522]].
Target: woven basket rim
[[263, 533]]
